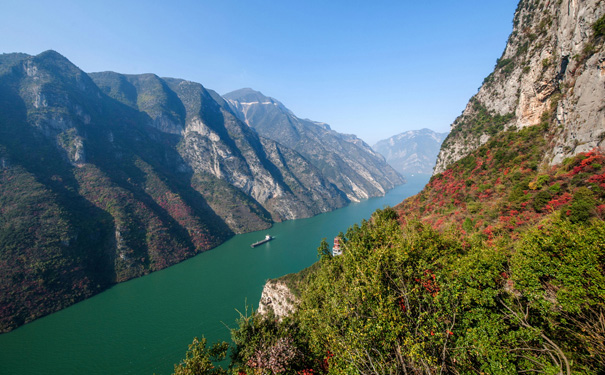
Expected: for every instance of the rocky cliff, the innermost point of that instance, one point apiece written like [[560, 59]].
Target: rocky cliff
[[553, 68], [412, 152], [212, 141], [277, 298], [346, 161]]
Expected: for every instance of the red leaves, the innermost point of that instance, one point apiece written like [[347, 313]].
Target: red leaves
[[576, 170], [429, 283], [586, 161], [489, 232], [558, 201], [489, 189], [325, 366], [598, 179], [401, 303]]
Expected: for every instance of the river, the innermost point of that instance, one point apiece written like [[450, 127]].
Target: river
[[143, 326]]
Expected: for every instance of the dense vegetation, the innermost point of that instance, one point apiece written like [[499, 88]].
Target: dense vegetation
[[496, 267], [502, 188], [72, 223], [481, 121]]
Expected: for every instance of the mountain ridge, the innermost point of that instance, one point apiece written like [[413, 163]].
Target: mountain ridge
[[106, 177], [348, 162], [412, 152]]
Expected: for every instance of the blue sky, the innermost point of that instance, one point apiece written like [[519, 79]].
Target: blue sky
[[371, 68]]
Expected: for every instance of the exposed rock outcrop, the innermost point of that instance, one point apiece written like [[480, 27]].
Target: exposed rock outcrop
[[277, 298], [345, 160], [213, 141], [553, 66]]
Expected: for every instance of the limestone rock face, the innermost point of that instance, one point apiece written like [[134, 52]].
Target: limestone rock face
[[214, 141], [553, 66], [278, 298], [345, 160]]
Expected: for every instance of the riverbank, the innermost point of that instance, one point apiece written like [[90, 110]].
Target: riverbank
[[144, 325]]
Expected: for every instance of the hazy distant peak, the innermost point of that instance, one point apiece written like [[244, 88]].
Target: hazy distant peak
[[411, 134], [412, 152]]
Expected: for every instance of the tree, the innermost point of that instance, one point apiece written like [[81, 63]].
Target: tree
[[198, 360], [323, 251]]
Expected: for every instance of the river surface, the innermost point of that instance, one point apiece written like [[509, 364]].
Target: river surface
[[143, 326]]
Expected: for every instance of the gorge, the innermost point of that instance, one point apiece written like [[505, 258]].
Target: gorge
[[495, 266], [106, 177], [498, 265]]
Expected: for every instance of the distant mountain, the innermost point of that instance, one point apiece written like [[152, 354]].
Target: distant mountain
[[105, 177], [345, 160], [412, 152]]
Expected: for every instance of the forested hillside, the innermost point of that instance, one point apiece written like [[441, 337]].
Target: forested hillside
[[498, 265], [462, 278]]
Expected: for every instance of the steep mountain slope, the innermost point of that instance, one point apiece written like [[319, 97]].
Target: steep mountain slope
[[214, 142], [89, 198], [346, 161], [498, 265], [495, 267], [108, 179], [552, 68], [412, 152]]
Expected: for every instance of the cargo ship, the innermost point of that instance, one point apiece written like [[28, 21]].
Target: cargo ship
[[267, 239]]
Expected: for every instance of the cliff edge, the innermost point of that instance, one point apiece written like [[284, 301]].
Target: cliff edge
[[553, 68]]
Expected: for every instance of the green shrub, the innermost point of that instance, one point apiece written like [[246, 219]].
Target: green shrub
[[582, 206], [560, 271], [468, 225], [198, 360], [599, 27], [555, 188], [540, 200]]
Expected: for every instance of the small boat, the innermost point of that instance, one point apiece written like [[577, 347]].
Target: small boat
[[267, 239]]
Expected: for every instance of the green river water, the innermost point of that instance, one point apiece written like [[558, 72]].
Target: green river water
[[143, 326]]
